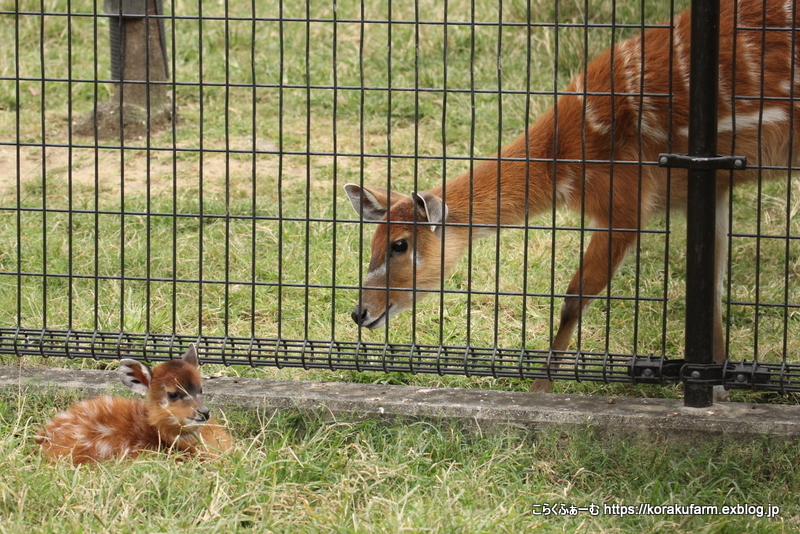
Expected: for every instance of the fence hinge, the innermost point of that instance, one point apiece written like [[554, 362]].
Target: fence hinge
[[698, 373], [682, 161], [731, 375], [660, 370], [746, 375], [655, 369]]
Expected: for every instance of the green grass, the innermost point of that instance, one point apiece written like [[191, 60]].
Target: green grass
[[297, 473], [96, 210], [273, 153]]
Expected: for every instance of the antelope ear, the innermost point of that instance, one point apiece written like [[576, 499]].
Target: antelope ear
[[190, 356], [432, 208], [135, 375], [371, 203]]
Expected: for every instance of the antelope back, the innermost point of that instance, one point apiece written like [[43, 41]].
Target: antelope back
[[98, 429]]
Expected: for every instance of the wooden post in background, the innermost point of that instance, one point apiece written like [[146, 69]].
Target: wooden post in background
[[141, 103]]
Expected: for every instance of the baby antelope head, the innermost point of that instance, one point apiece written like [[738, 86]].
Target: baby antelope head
[[173, 391]]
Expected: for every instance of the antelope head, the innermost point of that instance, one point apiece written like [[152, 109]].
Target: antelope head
[[173, 390], [406, 250]]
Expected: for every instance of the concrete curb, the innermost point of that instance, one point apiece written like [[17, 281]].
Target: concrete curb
[[474, 410]]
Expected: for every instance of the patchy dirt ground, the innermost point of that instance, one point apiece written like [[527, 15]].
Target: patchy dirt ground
[[163, 168], [140, 170]]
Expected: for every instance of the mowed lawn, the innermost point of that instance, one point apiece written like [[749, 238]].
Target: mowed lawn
[[234, 223], [297, 473]]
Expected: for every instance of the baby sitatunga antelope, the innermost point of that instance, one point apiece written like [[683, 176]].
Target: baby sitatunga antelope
[[172, 417]]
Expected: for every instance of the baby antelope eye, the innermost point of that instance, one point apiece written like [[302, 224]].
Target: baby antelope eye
[[173, 395], [400, 246]]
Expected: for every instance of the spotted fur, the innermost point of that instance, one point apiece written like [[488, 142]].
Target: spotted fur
[[172, 416]]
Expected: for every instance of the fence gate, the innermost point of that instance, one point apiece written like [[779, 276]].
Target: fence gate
[[186, 183]]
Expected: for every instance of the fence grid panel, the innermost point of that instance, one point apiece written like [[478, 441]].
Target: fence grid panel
[[208, 204]]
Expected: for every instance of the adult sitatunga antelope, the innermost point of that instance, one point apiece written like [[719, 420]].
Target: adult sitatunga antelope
[[172, 417], [587, 153]]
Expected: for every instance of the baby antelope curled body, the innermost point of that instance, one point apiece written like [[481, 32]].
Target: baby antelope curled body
[[172, 417]]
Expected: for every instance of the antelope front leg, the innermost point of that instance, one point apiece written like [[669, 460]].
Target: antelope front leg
[[720, 263], [596, 275]]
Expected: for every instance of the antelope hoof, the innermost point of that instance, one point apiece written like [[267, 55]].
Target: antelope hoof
[[542, 385], [721, 394]]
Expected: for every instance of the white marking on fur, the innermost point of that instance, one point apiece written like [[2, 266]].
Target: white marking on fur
[[753, 120], [750, 52], [63, 417], [377, 274], [593, 121], [746, 121], [104, 450], [565, 187], [631, 54], [651, 125], [104, 430], [681, 54]]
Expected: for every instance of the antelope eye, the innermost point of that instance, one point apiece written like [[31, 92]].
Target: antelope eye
[[400, 246], [173, 395]]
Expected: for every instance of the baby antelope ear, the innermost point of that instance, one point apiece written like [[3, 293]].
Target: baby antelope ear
[[135, 375], [190, 356]]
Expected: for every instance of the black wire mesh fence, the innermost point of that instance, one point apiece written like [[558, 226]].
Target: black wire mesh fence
[[202, 200]]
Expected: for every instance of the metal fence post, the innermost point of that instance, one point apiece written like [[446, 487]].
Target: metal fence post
[[701, 210]]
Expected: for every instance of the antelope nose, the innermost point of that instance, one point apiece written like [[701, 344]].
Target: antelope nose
[[359, 315], [204, 413]]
